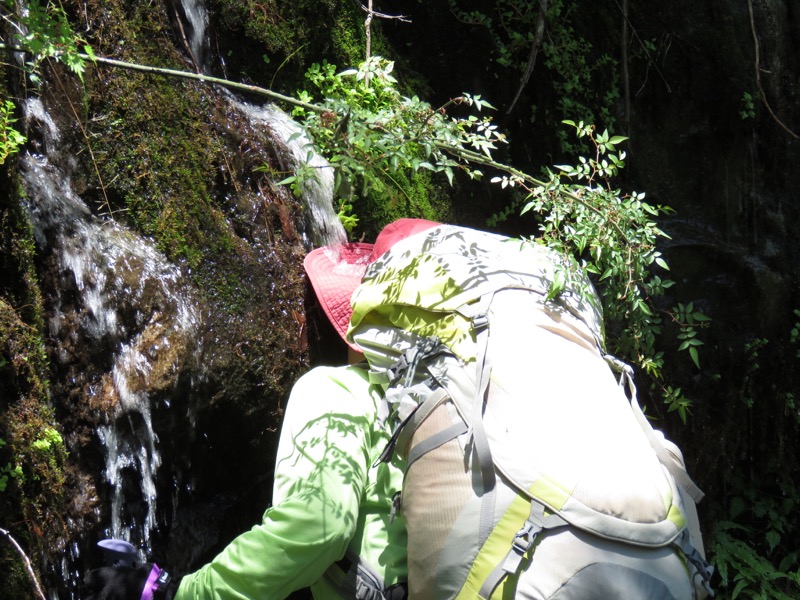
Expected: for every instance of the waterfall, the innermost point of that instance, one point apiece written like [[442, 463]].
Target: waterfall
[[317, 192], [322, 221], [197, 20], [125, 333], [118, 296]]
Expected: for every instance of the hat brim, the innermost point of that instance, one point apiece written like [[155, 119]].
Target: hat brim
[[335, 273]]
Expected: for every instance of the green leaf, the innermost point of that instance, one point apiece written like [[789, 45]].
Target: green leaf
[[773, 538], [695, 357]]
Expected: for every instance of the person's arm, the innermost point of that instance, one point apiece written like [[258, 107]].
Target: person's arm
[[320, 473]]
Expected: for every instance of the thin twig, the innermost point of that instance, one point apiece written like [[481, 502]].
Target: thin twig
[[368, 32], [624, 12], [537, 42], [27, 562], [368, 26], [402, 18], [626, 80], [88, 143], [758, 74]]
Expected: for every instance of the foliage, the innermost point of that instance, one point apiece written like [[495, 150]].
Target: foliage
[[613, 236], [748, 108], [8, 471], [374, 137], [794, 335], [371, 131], [585, 82], [42, 31], [689, 320], [10, 138], [753, 543], [748, 545]]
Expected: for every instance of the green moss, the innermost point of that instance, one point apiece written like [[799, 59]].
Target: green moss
[[155, 152], [288, 35], [32, 503], [419, 194]]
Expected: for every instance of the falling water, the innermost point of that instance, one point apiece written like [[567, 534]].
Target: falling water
[[325, 227], [197, 18], [317, 191], [111, 270]]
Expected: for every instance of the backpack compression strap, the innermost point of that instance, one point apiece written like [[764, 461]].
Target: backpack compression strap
[[676, 470], [502, 553], [478, 314], [691, 541]]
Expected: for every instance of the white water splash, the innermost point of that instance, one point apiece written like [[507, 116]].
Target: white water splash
[[106, 269], [323, 222], [197, 16], [326, 229]]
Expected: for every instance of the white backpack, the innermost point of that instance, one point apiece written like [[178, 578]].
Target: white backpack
[[530, 473]]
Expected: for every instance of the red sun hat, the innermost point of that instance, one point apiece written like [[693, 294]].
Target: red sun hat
[[336, 271]]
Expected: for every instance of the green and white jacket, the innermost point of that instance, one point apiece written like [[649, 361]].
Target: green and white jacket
[[331, 503]]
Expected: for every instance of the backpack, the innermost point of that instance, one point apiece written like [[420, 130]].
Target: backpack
[[531, 471]]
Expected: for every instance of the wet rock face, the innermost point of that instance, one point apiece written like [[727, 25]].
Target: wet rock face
[[168, 372]]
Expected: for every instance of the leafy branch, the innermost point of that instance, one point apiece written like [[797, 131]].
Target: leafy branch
[[42, 31], [10, 138], [370, 131]]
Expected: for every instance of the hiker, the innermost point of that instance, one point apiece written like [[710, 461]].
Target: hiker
[[331, 525]]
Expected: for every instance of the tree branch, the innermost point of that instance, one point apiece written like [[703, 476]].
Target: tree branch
[[626, 80], [27, 561], [187, 75], [537, 42], [368, 24], [369, 10], [758, 74], [480, 159]]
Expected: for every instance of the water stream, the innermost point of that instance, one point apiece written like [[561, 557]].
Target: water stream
[[324, 226], [195, 29], [322, 222], [120, 296]]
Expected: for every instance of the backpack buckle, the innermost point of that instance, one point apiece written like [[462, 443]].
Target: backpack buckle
[[480, 321], [525, 538]]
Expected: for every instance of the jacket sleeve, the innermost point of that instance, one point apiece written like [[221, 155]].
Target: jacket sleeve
[[320, 474]]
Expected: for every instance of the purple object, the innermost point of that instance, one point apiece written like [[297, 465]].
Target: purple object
[[151, 585], [118, 552]]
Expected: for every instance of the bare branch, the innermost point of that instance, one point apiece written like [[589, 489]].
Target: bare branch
[[758, 74], [537, 42], [27, 561], [99, 60], [369, 11], [626, 80]]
